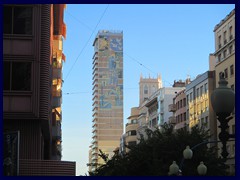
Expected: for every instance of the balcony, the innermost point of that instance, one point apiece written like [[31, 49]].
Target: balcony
[[94, 157], [56, 131], [94, 152], [57, 93], [56, 102], [172, 120], [172, 108], [94, 134], [94, 146], [57, 73], [94, 129]]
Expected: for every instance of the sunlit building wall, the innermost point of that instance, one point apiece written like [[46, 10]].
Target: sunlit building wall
[[107, 93], [224, 33], [147, 87], [199, 109], [131, 128]]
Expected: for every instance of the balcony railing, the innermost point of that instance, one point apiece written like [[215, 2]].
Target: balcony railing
[[56, 131], [56, 102], [172, 108], [172, 120], [57, 73]]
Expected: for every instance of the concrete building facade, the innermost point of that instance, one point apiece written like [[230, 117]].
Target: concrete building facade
[[131, 128], [32, 60], [199, 109], [224, 33], [179, 118], [107, 93]]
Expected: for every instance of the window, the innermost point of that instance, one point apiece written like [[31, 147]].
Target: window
[[17, 76], [184, 116], [219, 57], [132, 133], [145, 89], [184, 102], [191, 97], [197, 92], [230, 32], [226, 73], [201, 90], [230, 49], [17, 20], [225, 53], [220, 75], [232, 87], [132, 143], [231, 70], [205, 88], [225, 37], [219, 41], [187, 99]]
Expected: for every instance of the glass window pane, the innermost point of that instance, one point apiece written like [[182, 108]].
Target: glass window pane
[[21, 76], [6, 76], [22, 20], [7, 20]]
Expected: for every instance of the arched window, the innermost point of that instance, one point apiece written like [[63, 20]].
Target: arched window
[[145, 89], [153, 89]]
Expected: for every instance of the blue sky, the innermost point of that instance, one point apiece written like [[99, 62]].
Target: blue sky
[[172, 40]]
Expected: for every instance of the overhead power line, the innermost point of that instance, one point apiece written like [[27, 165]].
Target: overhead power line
[[86, 42]]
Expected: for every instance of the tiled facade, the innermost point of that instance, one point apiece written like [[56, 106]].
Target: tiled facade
[[107, 93]]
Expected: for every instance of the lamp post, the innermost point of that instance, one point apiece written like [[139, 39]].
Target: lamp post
[[223, 103]]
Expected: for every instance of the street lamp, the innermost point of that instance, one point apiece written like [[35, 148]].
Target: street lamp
[[223, 103], [174, 169]]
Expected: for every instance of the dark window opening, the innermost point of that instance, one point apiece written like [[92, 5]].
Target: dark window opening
[[17, 76], [17, 20]]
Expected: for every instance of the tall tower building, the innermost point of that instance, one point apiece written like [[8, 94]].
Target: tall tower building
[[147, 86], [107, 94]]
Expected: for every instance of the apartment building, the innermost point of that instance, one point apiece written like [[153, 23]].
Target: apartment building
[[131, 128], [32, 67], [179, 117], [199, 109], [107, 93], [224, 33]]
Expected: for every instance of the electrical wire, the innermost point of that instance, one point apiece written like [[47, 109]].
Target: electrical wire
[[86, 42]]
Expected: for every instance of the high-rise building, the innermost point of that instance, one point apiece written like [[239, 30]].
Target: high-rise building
[[32, 67], [107, 93]]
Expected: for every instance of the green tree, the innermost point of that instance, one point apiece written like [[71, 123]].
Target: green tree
[[152, 157]]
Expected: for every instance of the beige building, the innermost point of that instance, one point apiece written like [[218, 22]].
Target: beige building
[[199, 109], [147, 87], [107, 94], [225, 62], [131, 128]]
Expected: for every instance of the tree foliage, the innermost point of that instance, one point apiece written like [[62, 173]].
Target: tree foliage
[[152, 157]]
